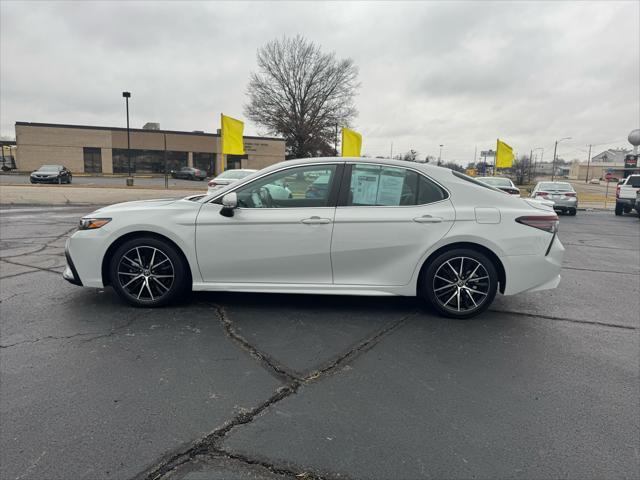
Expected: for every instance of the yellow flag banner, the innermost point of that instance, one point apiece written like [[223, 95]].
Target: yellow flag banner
[[504, 155], [351, 143], [232, 130]]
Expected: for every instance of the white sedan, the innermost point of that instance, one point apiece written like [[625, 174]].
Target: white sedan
[[381, 227]]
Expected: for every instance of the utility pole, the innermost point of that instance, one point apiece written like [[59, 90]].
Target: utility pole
[[440, 156], [553, 165], [391, 154], [530, 163], [336, 141], [586, 178]]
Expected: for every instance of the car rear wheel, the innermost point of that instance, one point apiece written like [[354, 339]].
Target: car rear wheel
[[573, 211], [460, 283], [148, 272], [618, 210]]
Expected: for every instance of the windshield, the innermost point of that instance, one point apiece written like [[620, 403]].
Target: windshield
[[496, 181], [49, 168], [561, 186], [234, 174]]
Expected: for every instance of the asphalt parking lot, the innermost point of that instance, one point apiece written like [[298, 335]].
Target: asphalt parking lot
[[239, 386]]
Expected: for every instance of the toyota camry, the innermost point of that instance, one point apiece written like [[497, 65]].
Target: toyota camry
[[380, 227]]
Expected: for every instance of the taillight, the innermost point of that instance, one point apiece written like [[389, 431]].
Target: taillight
[[617, 191], [548, 223], [570, 194], [212, 183], [542, 194]]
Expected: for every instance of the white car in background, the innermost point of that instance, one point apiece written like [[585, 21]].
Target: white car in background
[[503, 183], [382, 227], [227, 178]]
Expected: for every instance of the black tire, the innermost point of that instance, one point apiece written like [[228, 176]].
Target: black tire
[[154, 287], [627, 210], [475, 293], [618, 210], [573, 212]]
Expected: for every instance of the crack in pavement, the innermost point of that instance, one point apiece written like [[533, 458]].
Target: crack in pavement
[[44, 269], [42, 247], [599, 271], [565, 319], [211, 444], [96, 335]]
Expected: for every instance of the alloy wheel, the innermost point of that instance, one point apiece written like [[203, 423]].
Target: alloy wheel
[[461, 284], [145, 273]]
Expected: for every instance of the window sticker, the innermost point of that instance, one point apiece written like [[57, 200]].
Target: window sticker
[[390, 191], [364, 185]]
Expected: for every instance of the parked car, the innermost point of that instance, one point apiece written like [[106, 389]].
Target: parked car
[[562, 194], [382, 228], [637, 206], [51, 174], [319, 187], [189, 173], [503, 183], [595, 181], [228, 177], [626, 194]]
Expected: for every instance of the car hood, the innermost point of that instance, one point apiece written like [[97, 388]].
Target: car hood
[[137, 205]]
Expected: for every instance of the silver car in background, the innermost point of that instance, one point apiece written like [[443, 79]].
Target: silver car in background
[[562, 194]]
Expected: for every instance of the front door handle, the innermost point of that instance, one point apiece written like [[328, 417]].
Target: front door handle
[[316, 221], [428, 219]]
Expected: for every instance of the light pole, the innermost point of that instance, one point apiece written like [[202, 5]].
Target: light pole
[[126, 96], [553, 165], [440, 156]]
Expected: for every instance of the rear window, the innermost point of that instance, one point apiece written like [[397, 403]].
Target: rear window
[[234, 174], [496, 182], [557, 186], [476, 182], [634, 181]]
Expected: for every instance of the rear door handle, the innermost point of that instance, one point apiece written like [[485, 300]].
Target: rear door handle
[[316, 221], [428, 219]]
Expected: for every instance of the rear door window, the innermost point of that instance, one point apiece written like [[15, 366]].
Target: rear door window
[[386, 186]]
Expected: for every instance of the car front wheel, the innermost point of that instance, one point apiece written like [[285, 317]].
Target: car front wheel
[[148, 272], [460, 283]]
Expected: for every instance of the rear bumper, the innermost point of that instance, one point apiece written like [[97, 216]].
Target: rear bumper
[[630, 202], [534, 272]]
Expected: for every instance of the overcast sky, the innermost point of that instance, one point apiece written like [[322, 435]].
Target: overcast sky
[[454, 73]]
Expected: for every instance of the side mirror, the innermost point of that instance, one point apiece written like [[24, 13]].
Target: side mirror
[[229, 204]]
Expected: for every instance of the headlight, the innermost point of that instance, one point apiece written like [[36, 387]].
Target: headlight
[[92, 223]]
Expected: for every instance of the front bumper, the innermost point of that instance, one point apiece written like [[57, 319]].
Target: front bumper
[[70, 273], [44, 179]]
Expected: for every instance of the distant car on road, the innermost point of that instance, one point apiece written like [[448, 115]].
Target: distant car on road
[[562, 194], [189, 173], [595, 181], [626, 194], [384, 227], [228, 177], [503, 183], [51, 174]]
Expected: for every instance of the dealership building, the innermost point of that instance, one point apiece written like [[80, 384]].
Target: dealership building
[[103, 150]]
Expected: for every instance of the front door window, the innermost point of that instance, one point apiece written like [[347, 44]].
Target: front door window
[[308, 186]]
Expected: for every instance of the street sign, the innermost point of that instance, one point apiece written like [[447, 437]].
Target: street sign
[[608, 176], [487, 153]]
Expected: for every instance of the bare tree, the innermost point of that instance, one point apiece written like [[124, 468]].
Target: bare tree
[[302, 94]]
